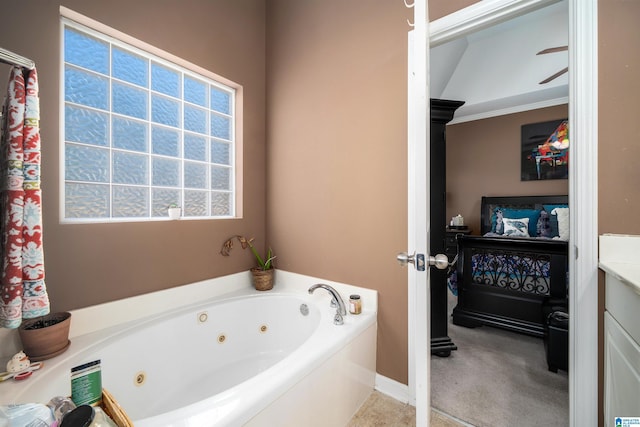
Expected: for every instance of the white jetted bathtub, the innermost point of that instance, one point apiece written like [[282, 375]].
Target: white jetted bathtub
[[241, 357]]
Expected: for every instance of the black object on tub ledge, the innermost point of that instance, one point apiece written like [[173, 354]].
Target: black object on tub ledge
[[82, 416]]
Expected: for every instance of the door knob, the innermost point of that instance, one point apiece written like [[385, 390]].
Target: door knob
[[440, 261], [403, 258], [416, 259]]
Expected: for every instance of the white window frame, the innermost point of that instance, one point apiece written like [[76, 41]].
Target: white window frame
[[118, 39]]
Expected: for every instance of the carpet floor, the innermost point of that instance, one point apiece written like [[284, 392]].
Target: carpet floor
[[498, 378]]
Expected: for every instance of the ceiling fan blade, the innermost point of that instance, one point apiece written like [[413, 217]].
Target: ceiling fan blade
[[555, 76], [553, 49]]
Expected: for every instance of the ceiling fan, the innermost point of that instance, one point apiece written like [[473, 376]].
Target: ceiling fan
[[559, 73]]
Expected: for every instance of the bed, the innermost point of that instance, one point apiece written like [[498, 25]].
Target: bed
[[505, 277]]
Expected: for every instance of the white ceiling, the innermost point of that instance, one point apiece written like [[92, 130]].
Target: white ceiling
[[496, 71]]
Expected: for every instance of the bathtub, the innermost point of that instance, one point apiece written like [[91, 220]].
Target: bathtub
[[240, 357]]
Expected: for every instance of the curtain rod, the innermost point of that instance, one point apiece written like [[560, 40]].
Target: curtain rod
[[11, 58]]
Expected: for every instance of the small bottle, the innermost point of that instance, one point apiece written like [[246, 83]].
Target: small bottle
[[355, 304]]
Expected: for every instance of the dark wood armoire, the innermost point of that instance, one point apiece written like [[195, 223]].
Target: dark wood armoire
[[441, 113]]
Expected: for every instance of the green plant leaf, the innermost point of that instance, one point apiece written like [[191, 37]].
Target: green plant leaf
[[264, 265], [258, 258]]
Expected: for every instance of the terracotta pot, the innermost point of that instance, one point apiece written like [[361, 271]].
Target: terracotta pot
[[46, 336], [262, 279]]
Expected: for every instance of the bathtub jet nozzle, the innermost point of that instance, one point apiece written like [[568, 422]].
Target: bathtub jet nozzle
[[336, 301]]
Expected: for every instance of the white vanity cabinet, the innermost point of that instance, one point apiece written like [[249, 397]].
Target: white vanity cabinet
[[621, 351], [621, 338]]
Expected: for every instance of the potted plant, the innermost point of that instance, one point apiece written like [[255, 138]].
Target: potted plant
[[46, 336], [263, 273], [174, 211]]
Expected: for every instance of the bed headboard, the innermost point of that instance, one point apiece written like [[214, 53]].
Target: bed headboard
[[521, 202]]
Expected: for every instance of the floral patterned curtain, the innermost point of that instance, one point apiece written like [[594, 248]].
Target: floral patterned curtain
[[23, 292]]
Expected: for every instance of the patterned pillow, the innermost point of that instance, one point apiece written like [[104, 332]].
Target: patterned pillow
[[494, 217], [532, 214], [516, 227], [543, 228], [499, 226]]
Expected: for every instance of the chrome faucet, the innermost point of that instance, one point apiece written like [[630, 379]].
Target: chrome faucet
[[336, 301]]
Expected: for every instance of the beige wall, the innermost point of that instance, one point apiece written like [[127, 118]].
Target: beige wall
[[483, 159], [90, 264], [440, 8], [619, 123], [337, 167]]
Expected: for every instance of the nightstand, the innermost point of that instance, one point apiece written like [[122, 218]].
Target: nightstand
[[450, 243]]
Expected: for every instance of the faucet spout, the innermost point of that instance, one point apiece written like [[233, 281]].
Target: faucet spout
[[341, 308]]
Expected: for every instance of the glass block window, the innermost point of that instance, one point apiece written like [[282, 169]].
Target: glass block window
[[141, 133]]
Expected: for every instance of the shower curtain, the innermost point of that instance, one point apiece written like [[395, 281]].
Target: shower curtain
[[22, 287]]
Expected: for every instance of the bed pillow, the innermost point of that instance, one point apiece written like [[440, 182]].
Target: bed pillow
[[494, 219], [553, 218], [498, 226], [532, 214], [543, 228], [562, 215], [516, 227]]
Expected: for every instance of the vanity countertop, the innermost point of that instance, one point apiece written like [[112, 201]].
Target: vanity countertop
[[620, 257]]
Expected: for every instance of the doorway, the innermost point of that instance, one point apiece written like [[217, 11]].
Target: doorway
[[497, 74], [582, 190]]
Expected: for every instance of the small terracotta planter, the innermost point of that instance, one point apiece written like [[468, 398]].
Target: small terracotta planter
[[262, 279], [46, 336]]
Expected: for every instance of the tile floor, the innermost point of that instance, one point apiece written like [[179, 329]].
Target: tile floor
[[382, 410]]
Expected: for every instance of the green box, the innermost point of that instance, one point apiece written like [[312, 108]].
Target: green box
[[86, 384]]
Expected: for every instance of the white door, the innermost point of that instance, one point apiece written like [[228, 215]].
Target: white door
[[418, 220], [418, 149]]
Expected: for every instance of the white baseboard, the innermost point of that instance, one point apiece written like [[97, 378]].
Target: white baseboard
[[392, 388]]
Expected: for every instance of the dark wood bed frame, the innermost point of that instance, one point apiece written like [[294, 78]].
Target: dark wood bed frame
[[502, 304]]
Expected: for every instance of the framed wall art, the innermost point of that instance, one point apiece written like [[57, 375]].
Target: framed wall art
[[545, 150]]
